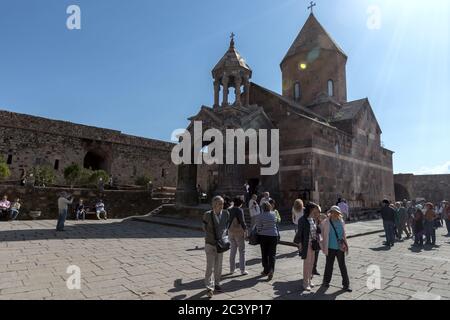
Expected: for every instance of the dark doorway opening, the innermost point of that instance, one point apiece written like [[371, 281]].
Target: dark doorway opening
[[94, 161], [253, 186]]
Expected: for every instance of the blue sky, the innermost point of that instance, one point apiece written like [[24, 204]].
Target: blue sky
[[144, 66]]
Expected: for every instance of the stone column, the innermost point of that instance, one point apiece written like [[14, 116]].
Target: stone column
[[237, 88], [216, 93], [186, 194], [246, 91], [225, 81]]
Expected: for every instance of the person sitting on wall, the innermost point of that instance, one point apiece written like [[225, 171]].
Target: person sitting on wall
[[100, 209], [15, 208], [5, 206], [81, 210]]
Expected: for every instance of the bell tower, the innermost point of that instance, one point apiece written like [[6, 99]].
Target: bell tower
[[232, 72], [314, 66]]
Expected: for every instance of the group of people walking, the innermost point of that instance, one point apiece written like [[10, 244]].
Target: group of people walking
[[225, 229], [418, 221]]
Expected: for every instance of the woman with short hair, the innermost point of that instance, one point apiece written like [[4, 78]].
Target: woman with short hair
[[266, 227]]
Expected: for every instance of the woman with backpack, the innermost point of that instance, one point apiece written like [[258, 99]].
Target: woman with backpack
[[237, 233], [334, 245], [308, 239]]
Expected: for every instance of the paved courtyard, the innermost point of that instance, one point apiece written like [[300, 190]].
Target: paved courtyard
[[138, 260]]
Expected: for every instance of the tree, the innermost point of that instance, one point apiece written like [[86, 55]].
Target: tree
[[143, 181], [4, 169], [96, 175], [72, 174], [44, 175]]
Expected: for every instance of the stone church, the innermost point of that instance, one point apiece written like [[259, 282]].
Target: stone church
[[329, 147]]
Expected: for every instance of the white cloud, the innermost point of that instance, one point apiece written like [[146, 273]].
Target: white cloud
[[439, 169]]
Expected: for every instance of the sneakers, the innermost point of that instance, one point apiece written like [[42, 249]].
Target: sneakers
[[244, 273], [270, 276], [348, 289], [210, 293], [308, 289], [312, 285], [218, 289]]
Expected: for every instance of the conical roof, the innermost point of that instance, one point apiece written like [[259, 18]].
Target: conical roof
[[231, 60], [312, 36]]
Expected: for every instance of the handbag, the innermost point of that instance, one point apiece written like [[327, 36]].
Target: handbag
[[314, 242], [254, 237], [223, 244], [342, 243]]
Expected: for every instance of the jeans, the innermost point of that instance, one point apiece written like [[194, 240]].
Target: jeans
[[389, 229], [61, 219], [332, 255], [430, 232], [14, 214], [268, 252], [237, 242], [447, 222], [418, 238], [308, 266], [81, 214], [213, 263]]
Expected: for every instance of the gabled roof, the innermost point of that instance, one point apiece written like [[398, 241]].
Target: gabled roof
[[351, 110], [312, 36], [291, 103]]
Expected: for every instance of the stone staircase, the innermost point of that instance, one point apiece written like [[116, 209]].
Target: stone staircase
[[165, 194]]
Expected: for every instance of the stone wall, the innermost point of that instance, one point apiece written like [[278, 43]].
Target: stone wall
[[434, 188], [119, 204], [31, 141]]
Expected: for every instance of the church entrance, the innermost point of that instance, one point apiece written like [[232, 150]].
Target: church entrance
[[254, 184]]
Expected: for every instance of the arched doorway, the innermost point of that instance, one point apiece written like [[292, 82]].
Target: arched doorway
[[401, 192], [95, 161]]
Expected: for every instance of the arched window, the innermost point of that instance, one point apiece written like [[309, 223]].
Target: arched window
[[297, 91], [330, 88]]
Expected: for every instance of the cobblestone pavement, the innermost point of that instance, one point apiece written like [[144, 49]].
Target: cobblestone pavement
[[136, 260]]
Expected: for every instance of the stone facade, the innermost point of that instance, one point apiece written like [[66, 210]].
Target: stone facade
[[28, 141], [434, 188], [329, 147]]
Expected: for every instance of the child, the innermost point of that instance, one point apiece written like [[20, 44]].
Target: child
[[418, 228]]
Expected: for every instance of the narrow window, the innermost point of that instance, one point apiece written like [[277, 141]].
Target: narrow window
[[297, 92], [9, 160], [56, 166], [330, 88]]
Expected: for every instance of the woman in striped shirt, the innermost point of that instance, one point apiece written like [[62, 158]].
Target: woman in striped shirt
[[266, 226]]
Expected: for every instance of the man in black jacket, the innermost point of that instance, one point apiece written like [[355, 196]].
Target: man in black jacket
[[388, 216]]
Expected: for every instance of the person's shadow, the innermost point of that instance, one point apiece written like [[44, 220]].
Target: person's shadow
[[382, 248], [293, 290]]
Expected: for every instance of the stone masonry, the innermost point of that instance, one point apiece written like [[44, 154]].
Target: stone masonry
[[28, 141]]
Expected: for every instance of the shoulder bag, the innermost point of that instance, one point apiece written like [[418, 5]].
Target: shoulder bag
[[223, 244]]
